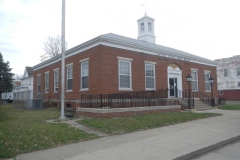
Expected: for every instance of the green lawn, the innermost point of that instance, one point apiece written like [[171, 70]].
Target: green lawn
[[130, 124], [230, 107], [26, 130]]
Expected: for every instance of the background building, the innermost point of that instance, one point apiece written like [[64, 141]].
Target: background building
[[23, 94], [228, 77], [9, 96]]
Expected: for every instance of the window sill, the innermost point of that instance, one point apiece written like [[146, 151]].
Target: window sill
[[83, 90], [150, 89], [69, 91], [207, 91], [125, 89], [55, 92], [195, 91]]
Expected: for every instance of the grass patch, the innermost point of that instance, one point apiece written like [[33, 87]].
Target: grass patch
[[230, 107], [24, 131], [123, 125]]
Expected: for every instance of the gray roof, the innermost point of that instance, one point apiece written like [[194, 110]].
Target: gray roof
[[29, 70], [122, 42], [157, 48]]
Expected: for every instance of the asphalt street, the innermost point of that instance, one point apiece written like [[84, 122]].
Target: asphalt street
[[228, 152]]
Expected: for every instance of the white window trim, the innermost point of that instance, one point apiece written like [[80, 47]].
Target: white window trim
[[38, 84], [46, 88], [150, 62], [129, 61], [238, 67], [195, 70], [142, 28], [151, 77], [124, 58], [220, 91], [224, 72], [54, 87], [149, 29], [68, 66], [207, 72], [82, 62]]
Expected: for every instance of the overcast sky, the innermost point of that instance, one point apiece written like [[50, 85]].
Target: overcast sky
[[207, 28]]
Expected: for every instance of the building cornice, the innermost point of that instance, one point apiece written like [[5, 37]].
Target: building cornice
[[117, 41]]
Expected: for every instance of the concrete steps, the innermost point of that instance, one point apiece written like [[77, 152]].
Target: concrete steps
[[198, 105]]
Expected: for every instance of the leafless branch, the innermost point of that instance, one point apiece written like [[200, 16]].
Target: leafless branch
[[52, 47]]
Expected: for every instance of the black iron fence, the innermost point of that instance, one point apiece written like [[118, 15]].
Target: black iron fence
[[126, 100]]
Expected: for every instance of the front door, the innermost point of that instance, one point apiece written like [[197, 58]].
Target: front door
[[173, 88]]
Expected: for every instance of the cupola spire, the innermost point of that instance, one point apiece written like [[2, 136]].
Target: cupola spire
[[146, 28]]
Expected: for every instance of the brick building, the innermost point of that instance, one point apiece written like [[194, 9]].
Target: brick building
[[112, 63], [228, 76]]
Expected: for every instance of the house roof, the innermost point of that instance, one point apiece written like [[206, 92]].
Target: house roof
[[28, 72], [117, 41], [17, 83]]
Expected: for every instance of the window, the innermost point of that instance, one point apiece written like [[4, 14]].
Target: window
[[194, 80], [150, 76], [46, 82], [220, 92], [142, 27], [149, 27], [38, 83], [69, 77], [207, 84], [225, 72], [84, 75], [125, 81], [238, 71], [56, 80]]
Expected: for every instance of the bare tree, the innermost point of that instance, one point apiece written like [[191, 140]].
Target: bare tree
[[52, 47], [17, 77]]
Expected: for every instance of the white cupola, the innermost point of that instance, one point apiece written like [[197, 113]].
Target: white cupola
[[146, 29]]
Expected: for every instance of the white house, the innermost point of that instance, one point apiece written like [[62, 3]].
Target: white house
[[8, 96], [25, 90]]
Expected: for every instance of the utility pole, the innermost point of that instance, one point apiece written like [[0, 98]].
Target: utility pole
[[63, 62]]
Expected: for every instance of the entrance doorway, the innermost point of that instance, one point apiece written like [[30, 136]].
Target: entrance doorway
[[173, 88], [174, 81]]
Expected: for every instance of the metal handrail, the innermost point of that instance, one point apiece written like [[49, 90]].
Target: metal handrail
[[127, 99]]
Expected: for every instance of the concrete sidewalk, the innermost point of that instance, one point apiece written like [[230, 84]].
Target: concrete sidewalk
[[180, 141]]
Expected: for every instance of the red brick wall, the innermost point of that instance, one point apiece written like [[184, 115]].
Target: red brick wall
[[125, 114], [103, 72], [230, 95]]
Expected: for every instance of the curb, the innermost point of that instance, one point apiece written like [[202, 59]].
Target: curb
[[207, 149]]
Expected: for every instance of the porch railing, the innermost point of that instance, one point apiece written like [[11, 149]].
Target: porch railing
[[202, 97], [126, 100]]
